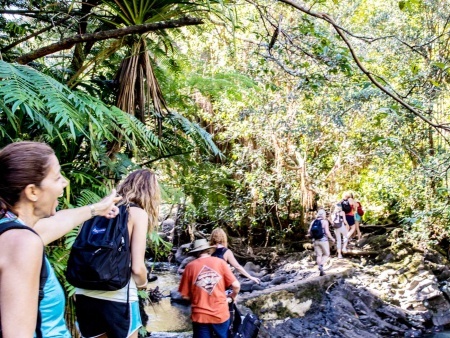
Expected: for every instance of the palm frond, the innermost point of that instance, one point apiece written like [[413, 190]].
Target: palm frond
[[197, 134]]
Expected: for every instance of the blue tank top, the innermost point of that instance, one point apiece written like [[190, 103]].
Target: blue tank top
[[219, 252], [52, 307]]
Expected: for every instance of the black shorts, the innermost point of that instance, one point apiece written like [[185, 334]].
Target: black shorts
[[350, 219], [98, 316]]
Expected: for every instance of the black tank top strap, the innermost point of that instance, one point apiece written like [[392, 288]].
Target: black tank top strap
[[11, 225], [219, 252]]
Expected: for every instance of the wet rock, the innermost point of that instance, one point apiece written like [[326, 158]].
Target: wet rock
[[257, 287], [175, 297], [168, 225], [247, 286], [181, 253], [278, 280], [185, 262], [251, 267]]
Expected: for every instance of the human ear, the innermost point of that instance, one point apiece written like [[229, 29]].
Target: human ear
[[31, 192]]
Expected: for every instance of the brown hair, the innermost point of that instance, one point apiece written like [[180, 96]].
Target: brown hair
[[141, 187], [21, 164], [218, 236]]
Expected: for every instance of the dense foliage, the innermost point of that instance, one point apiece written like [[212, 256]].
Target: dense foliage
[[253, 112]]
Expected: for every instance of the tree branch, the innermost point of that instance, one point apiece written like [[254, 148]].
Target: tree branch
[[340, 31], [68, 43], [43, 30]]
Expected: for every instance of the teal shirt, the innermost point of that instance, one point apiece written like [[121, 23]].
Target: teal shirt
[[52, 307]]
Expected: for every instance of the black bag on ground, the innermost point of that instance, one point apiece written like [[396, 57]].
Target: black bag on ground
[[317, 229], [249, 327], [100, 258]]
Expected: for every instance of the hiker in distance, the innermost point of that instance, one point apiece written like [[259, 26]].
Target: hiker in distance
[[32, 301], [349, 207], [204, 282], [219, 240], [113, 312], [359, 212], [339, 224], [320, 233]]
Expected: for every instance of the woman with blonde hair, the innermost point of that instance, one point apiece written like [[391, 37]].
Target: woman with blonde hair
[[219, 240], [116, 313]]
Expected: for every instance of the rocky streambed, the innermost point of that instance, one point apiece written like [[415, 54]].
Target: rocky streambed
[[384, 287]]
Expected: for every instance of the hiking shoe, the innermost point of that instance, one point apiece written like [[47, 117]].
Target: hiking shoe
[[340, 256], [321, 273], [344, 250]]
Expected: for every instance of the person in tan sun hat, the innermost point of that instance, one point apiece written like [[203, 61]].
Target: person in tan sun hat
[[204, 282]]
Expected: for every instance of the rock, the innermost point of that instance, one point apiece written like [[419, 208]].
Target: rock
[[251, 267], [185, 262], [168, 225], [182, 253], [278, 280], [247, 286], [257, 287]]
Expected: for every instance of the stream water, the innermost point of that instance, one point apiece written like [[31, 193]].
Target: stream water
[[444, 334], [167, 319], [165, 316]]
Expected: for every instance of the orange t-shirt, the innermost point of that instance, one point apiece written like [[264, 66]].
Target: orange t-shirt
[[204, 281]]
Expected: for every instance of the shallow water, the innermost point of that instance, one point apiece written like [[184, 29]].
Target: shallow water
[[443, 334], [166, 316]]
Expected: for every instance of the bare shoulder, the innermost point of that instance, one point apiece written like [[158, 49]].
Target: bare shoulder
[[137, 214], [20, 237], [228, 253], [20, 244]]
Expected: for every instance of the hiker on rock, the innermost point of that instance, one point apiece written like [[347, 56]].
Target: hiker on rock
[[358, 218], [219, 240], [204, 282], [115, 314], [339, 224], [320, 233], [349, 207]]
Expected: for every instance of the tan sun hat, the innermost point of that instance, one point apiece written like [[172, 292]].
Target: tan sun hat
[[200, 245]]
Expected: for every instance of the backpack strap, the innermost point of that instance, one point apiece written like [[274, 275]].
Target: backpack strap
[[12, 225]]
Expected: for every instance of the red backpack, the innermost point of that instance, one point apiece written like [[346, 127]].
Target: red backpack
[[360, 210]]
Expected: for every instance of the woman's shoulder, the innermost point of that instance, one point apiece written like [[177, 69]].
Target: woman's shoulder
[[136, 210], [21, 234], [138, 215]]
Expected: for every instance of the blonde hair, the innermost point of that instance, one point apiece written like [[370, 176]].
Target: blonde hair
[[218, 236], [347, 194], [141, 188], [321, 213]]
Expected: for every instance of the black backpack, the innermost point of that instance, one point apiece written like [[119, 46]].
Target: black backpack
[[338, 220], [346, 207], [100, 258], [317, 229], [248, 328], [43, 276]]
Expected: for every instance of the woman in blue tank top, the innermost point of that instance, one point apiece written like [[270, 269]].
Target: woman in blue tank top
[[30, 185]]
